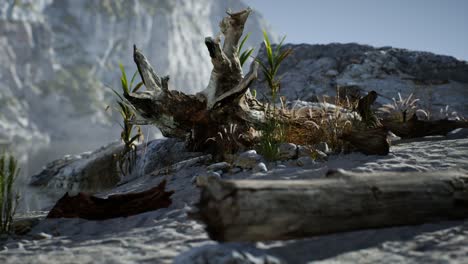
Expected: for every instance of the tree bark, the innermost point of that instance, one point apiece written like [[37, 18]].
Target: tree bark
[[224, 102], [250, 210], [414, 128]]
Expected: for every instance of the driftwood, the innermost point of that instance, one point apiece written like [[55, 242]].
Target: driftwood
[[225, 101], [414, 128], [369, 137], [250, 210], [370, 141], [94, 208]]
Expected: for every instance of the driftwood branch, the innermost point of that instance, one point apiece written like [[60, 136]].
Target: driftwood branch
[[414, 127], [94, 208], [201, 116], [249, 210]]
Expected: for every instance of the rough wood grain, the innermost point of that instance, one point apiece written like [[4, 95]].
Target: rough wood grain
[[225, 100], [253, 210]]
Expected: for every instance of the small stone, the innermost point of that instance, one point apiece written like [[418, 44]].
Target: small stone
[[287, 151], [305, 161], [260, 167], [235, 170], [42, 235], [248, 159], [282, 166], [220, 166], [303, 151], [323, 147], [320, 155], [202, 180]]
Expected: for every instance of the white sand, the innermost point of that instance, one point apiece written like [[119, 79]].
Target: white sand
[[160, 236]]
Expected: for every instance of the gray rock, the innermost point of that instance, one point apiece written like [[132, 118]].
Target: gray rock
[[54, 79], [235, 170], [220, 166], [315, 70], [320, 155], [305, 161], [260, 167], [202, 180], [303, 151], [287, 151], [90, 171], [248, 159], [323, 147]]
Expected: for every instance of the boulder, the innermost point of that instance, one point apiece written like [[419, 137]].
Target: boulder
[[313, 71]]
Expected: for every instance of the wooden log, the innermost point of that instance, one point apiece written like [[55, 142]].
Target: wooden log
[[414, 128], [94, 208], [370, 141], [254, 210]]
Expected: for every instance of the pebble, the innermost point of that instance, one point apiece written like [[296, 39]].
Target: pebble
[[248, 159], [287, 151], [220, 166], [260, 167]]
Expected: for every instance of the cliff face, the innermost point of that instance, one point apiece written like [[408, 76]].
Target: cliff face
[[59, 57], [316, 70]]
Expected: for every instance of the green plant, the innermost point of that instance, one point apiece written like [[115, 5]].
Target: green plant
[[130, 133], [244, 55], [8, 197], [273, 132], [270, 68], [272, 135]]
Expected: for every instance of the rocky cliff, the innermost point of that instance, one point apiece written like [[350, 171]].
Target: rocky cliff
[[59, 57], [316, 70]]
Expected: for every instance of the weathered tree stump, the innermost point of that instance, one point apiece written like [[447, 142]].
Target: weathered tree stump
[[254, 210], [224, 102]]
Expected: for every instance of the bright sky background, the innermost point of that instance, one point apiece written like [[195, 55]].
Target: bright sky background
[[439, 26]]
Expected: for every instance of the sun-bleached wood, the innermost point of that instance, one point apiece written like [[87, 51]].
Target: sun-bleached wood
[[225, 101], [256, 210]]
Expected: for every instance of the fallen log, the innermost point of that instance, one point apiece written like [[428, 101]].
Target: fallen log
[[254, 210], [414, 128], [370, 141], [368, 136], [94, 208]]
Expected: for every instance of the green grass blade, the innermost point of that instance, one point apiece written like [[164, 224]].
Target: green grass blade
[[133, 79], [243, 42], [137, 87]]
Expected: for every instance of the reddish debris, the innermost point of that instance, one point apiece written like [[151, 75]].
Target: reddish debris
[[94, 208]]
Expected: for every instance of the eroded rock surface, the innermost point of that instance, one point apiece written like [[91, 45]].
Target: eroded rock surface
[[313, 71]]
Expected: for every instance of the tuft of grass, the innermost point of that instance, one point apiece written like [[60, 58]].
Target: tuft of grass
[[244, 55], [273, 133], [9, 171], [131, 134], [229, 140], [326, 122], [402, 109]]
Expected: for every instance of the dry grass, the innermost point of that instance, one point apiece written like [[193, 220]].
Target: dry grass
[[327, 122]]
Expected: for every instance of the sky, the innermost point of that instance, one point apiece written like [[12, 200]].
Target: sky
[[439, 26]]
